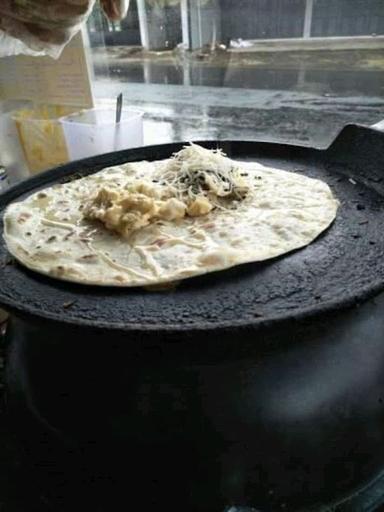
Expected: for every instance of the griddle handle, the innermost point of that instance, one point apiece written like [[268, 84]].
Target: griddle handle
[[361, 148], [378, 126], [3, 327]]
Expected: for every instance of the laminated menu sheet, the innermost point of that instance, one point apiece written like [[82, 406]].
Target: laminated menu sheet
[[65, 81]]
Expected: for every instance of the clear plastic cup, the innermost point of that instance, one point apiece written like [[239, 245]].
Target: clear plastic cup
[[93, 132]]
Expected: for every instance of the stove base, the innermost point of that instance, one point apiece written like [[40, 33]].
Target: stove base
[[59, 494]]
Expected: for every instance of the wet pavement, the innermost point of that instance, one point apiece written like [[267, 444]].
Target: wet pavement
[[180, 113], [354, 72], [299, 97]]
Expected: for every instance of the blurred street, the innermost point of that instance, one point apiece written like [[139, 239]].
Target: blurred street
[[300, 96]]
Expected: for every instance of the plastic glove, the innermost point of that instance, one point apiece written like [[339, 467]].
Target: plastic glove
[[45, 26]]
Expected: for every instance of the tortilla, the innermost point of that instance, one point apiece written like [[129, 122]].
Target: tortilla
[[50, 233]]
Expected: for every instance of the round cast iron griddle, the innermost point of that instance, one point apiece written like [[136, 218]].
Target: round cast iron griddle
[[343, 266]]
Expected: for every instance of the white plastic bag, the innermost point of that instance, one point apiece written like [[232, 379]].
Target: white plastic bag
[[44, 27], [11, 46]]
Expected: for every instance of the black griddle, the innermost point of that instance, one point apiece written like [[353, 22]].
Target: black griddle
[[345, 264], [260, 386]]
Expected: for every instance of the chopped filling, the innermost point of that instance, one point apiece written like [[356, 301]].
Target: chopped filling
[[194, 182], [128, 210], [199, 206]]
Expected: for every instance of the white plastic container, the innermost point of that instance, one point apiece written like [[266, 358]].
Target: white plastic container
[[94, 132]]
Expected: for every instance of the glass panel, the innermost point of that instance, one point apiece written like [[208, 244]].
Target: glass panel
[[287, 70]]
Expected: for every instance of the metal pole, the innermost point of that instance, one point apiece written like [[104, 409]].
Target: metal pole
[[199, 24], [193, 13], [185, 24], [143, 23], [308, 19], [186, 32]]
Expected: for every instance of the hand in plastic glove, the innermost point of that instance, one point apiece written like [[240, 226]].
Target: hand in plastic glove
[[68, 14], [47, 25]]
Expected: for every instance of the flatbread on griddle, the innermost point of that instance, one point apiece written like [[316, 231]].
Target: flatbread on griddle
[[49, 233]]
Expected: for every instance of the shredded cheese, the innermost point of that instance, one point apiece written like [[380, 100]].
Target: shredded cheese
[[195, 172], [193, 183]]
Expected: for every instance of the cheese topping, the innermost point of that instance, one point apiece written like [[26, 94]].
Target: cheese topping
[[194, 182], [196, 171]]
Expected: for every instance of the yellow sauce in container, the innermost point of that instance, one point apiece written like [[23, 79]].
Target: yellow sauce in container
[[42, 137]]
